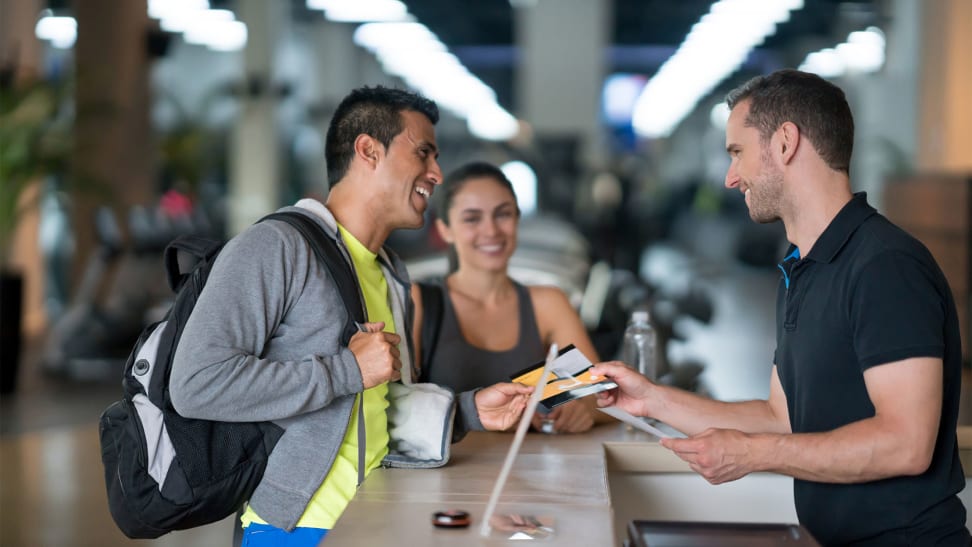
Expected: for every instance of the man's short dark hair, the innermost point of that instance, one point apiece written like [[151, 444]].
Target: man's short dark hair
[[374, 111], [817, 107]]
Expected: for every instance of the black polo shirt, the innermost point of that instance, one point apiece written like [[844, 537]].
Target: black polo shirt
[[866, 295]]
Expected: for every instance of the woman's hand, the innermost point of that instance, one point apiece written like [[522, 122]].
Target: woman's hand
[[573, 417]]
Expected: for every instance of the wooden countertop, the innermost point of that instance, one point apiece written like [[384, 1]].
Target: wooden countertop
[[563, 476]]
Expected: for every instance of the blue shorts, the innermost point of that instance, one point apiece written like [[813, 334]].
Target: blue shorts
[[264, 535]]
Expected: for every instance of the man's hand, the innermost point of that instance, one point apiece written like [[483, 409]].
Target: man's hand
[[573, 417], [377, 354], [632, 393], [719, 455], [501, 405]]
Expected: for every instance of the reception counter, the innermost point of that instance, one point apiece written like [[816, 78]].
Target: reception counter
[[591, 485]]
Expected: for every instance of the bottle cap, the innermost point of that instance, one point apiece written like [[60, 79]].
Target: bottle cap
[[640, 316]]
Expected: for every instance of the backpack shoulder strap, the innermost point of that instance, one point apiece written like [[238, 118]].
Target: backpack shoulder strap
[[432, 307], [330, 255]]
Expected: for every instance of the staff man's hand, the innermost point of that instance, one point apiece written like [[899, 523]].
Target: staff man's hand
[[719, 455], [633, 391]]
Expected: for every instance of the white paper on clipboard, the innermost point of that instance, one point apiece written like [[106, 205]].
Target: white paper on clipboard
[[635, 421]]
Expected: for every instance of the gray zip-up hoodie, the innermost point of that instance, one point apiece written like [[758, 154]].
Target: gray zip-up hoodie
[[263, 343]]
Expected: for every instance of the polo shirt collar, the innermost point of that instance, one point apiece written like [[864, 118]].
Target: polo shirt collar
[[840, 229]]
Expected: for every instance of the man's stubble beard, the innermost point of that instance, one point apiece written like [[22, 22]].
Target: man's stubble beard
[[766, 196]]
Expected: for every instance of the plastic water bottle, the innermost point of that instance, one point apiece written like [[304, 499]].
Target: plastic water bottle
[[638, 346]]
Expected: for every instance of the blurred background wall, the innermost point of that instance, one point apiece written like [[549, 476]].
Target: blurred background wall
[[126, 123], [205, 114]]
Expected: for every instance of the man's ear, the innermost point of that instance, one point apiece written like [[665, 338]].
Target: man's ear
[[367, 149], [789, 142], [444, 232]]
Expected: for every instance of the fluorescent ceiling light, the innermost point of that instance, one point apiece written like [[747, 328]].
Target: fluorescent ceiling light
[[719, 115], [216, 29], [492, 123], [60, 31], [361, 10], [161, 9], [524, 181], [825, 63], [412, 52], [862, 53], [218, 35], [177, 15], [199, 24], [715, 47], [389, 37]]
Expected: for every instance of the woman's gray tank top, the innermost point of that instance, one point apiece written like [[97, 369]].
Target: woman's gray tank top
[[463, 367]]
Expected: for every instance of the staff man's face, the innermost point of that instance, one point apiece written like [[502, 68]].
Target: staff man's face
[[751, 169]]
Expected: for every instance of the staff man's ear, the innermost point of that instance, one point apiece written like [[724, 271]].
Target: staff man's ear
[[367, 149], [789, 141]]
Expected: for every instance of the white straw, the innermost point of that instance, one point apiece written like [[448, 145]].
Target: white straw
[[521, 430]]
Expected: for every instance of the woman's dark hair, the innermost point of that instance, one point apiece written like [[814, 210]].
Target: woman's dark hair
[[374, 111], [455, 181], [817, 107]]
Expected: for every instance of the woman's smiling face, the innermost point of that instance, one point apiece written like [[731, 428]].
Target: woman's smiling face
[[482, 225]]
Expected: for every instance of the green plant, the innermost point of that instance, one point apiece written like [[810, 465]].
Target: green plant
[[187, 145], [185, 155], [34, 141]]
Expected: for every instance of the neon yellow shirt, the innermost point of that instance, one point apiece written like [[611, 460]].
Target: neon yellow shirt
[[334, 494]]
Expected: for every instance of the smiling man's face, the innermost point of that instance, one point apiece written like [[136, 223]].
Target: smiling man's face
[[409, 172], [751, 169]]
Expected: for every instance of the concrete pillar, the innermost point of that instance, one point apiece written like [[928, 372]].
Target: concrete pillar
[[945, 115], [335, 71], [18, 46], [113, 155], [885, 145], [255, 148], [335, 67], [562, 67]]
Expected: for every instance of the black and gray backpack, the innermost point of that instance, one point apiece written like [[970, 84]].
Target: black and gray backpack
[[165, 472]]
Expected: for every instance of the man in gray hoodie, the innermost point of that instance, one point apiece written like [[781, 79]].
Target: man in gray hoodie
[[263, 342]]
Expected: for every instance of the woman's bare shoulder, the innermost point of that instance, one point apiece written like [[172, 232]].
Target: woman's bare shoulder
[[547, 294]]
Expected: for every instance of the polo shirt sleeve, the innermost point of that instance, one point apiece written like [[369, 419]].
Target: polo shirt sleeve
[[896, 311]]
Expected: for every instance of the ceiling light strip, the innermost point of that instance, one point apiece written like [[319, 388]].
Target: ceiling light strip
[[715, 47], [409, 50], [60, 31], [216, 29], [862, 53]]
